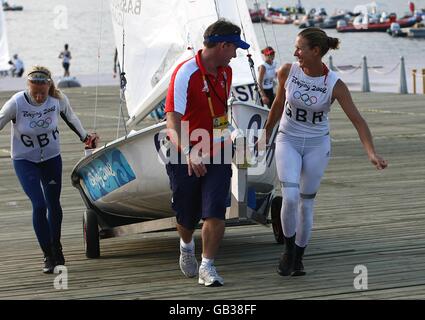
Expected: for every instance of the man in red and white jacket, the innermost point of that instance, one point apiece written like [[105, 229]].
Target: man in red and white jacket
[[196, 107]]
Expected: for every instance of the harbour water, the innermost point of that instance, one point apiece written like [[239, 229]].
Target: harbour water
[[39, 32]]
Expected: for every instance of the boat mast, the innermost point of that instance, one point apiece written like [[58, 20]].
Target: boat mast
[[123, 80], [249, 56], [250, 61]]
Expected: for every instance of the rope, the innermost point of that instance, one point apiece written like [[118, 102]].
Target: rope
[[119, 121], [275, 41], [360, 66], [250, 61], [387, 72], [121, 116], [348, 72], [98, 65], [240, 19], [123, 84], [261, 23], [217, 10], [232, 100], [249, 56]]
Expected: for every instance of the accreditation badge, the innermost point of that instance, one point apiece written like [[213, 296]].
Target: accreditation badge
[[219, 124]]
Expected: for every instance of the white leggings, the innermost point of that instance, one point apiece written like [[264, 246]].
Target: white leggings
[[301, 163]]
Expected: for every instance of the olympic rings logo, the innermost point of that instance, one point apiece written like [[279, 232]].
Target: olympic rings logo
[[42, 123], [308, 101]]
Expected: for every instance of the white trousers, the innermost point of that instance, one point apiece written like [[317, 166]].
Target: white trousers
[[301, 163]]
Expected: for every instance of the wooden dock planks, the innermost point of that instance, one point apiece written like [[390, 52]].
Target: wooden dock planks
[[362, 217]]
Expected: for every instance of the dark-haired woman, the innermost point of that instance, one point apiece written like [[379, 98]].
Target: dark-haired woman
[[306, 91], [267, 76], [65, 55]]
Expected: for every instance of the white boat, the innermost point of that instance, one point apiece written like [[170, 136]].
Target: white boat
[[124, 184]]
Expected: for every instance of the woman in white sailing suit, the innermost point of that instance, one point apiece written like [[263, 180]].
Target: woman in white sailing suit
[[266, 76], [306, 90], [34, 114]]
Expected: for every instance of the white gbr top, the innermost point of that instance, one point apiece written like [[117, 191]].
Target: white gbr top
[[35, 134], [308, 101], [269, 74]]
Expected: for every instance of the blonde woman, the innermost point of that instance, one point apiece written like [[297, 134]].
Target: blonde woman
[[35, 152]]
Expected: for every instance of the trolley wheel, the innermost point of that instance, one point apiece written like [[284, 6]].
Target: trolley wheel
[[91, 234], [276, 221]]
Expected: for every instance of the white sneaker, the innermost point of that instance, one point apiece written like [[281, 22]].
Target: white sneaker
[[209, 277], [188, 263]]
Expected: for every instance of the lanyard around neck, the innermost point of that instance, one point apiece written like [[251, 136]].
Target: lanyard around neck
[[207, 86]]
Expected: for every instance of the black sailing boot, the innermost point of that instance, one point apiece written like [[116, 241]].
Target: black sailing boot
[[57, 253], [286, 262], [298, 264], [49, 262]]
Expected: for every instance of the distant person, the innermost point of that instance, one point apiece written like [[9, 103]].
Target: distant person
[[34, 116], [267, 76], [201, 188], [411, 8], [18, 67], [305, 93], [65, 55], [11, 70], [299, 7]]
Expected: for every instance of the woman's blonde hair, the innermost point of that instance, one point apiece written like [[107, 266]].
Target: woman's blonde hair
[[53, 91]]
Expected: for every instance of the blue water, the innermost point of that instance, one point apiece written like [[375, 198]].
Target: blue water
[[39, 32]]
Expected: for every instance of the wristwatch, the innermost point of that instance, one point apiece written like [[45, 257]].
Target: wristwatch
[[186, 150]]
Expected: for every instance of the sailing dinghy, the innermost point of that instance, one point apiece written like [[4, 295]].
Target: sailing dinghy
[[124, 184]]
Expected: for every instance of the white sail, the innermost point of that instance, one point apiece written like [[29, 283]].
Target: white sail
[[157, 35], [4, 46], [126, 178], [237, 12]]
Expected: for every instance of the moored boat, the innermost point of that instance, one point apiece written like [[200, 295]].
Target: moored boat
[[257, 15], [416, 31], [8, 7], [361, 24], [278, 19]]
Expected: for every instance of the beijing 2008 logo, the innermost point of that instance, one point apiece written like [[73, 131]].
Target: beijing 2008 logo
[[308, 101]]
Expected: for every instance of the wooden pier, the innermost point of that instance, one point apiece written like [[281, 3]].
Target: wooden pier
[[363, 217]]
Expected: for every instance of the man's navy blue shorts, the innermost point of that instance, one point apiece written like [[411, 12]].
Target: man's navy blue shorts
[[204, 197]]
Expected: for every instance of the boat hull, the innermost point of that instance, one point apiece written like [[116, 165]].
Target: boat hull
[[378, 27], [13, 8], [127, 177]]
